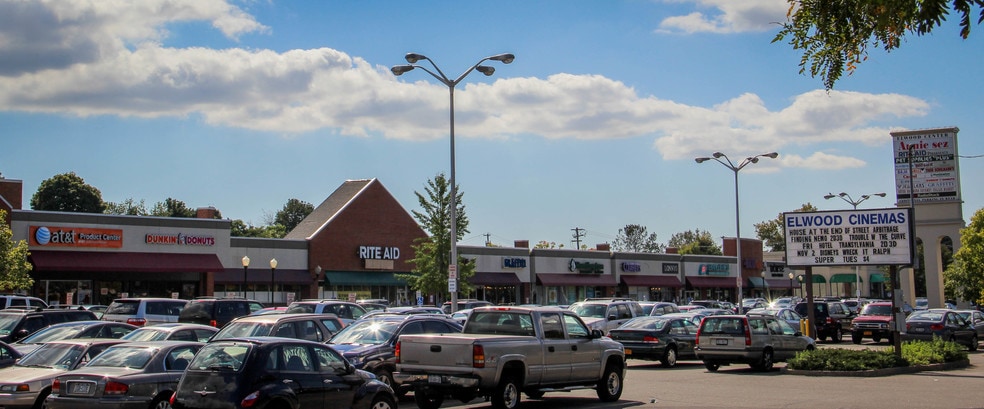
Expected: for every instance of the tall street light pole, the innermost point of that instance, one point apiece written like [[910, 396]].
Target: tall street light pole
[[245, 267], [735, 168], [412, 59], [847, 198]]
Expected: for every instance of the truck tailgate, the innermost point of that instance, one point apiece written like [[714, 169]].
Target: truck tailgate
[[443, 352]]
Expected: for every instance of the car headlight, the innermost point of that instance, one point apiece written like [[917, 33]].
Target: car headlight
[[356, 360]]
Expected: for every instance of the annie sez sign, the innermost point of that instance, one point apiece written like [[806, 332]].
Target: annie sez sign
[[849, 238]]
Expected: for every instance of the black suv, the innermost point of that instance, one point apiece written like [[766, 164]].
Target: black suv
[[16, 324], [369, 343], [217, 311], [833, 318], [268, 372]]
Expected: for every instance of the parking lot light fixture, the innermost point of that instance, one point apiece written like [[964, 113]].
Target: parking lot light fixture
[[847, 198], [245, 267]]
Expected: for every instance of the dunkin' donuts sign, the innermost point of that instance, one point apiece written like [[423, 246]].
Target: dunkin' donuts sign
[[53, 236], [179, 239]]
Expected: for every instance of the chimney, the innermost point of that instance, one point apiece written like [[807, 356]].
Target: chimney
[[205, 213], [672, 250], [603, 247], [521, 244], [11, 191]]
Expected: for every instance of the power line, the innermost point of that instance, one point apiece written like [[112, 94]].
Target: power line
[[578, 233]]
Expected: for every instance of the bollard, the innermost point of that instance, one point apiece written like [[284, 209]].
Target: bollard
[[805, 327]]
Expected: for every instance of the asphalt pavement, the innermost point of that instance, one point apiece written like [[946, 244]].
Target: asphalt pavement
[[690, 385]]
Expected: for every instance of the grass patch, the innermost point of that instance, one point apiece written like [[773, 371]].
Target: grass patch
[[913, 353]]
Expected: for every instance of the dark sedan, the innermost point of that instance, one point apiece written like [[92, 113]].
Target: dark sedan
[[172, 331], [945, 324], [131, 375], [662, 338]]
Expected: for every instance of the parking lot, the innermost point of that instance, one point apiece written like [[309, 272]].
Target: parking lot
[[690, 385]]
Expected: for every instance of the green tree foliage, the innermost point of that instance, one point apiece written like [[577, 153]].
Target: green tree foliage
[[14, 268], [772, 233], [293, 212], [239, 228], [67, 192], [695, 242], [965, 276], [834, 36], [635, 238], [128, 207], [543, 244], [172, 208], [432, 254]]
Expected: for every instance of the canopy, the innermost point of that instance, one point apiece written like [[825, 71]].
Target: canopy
[[843, 278]]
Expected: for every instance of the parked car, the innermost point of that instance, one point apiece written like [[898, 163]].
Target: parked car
[[921, 304], [144, 311], [660, 308], [689, 308], [21, 301], [751, 304], [464, 304], [875, 321], [786, 314], [16, 324], [8, 355], [368, 343], [312, 327], [833, 318], [606, 314], [661, 338], [344, 310], [174, 331], [976, 319], [217, 312], [73, 330], [97, 309], [130, 375], [941, 323], [695, 315], [757, 340], [269, 372], [28, 383]]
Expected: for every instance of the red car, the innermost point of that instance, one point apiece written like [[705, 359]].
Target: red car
[[875, 322]]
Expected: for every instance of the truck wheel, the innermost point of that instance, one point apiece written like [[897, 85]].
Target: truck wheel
[[382, 401], [767, 361], [712, 366], [837, 336], [669, 358], [610, 387], [506, 394], [856, 338], [428, 400], [876, 338]]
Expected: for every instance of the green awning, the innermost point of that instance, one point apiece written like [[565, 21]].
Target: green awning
[[818, 279], [756, 282], [844, 278], [879, 278], [381, 278]]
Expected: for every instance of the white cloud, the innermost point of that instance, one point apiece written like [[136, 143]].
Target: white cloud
[[727, 16], [100, 66]]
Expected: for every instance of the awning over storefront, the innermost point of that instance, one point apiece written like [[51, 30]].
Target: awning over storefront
[[554, 280], [817, 279], [45, 260], [652, 281], [756, 282], [379, 278], [842, 278], [712, 282], [780, 283], [879, 278], [494, 279], [263, 275]]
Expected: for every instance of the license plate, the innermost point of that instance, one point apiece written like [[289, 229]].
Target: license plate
[[720, 342], [80, 388], [434, 379], [628, 351], [867, 333], [918, 329]]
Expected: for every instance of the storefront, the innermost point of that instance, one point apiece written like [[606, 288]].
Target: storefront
[[710, 278], [649, 276], [563, 277], [502, 274]]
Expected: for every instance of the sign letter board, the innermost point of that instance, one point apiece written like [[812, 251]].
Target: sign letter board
[[849, 238]]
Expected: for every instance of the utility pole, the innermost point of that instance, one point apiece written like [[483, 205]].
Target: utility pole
[[488, 239], [578, 233]]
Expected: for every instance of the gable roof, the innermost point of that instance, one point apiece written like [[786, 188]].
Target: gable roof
[[327, 211]]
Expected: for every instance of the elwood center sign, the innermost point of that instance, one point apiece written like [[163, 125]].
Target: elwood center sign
[[849, 238]]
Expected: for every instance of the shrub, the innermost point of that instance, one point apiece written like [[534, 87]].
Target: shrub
[[936, 351], [913, 353]]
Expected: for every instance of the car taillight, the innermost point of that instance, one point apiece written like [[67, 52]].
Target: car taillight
[[55, 386], [396, 352], [136, 321], [213, 323], [748, 333], [478, 356], [650, 338], [250, 399], [173, 396], [699, 330], [115, 388], [936, 327], [830, 320]]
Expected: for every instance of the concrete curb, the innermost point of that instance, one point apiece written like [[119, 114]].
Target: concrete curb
[[882, 372]]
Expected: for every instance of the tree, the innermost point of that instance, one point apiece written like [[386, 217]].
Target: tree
[[67, 192], [172, 208], [432, 253], [835, 35], [695, 242], [14, 268], [543, 244], [293, 212], [633, 238], [239, 228], [965, 276], [128, 207], [772, 233]]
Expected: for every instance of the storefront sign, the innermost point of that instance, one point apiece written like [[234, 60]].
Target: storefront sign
[[631, 267], [75, 237], [849, 238], [586, 267], [513, 262], [379, 253], [671, 268], [932, 175], [719, 270], [179, 239]]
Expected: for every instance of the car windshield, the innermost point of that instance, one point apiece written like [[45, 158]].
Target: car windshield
[[926, 316], [220, 356], [54, 334], [61, 356], [123, 357], [872, 309], [123, 307], [763, 311], [922, 302], [645, 323], [729, 326], [590, 310], [300, 309], [372, 332], [8, 322], [145, 334], [242, 329]]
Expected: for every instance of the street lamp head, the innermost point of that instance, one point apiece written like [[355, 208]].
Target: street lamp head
[[273, 263], [842, 194], [790, 275], [717, 154], [398, 70], [245, 261], [701, 160], [753, 159], [412, 58], [505, 58], [772, 155], [882, 194], [829, 196], [485, 69]]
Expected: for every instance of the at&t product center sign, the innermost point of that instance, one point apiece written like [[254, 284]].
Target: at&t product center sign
[[849, 238]]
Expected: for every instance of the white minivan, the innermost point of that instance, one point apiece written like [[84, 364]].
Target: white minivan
[[144, 311]]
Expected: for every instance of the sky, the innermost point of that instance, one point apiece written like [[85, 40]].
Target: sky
[[243, 105]]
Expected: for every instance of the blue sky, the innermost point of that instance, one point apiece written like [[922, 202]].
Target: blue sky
[[244, 105]]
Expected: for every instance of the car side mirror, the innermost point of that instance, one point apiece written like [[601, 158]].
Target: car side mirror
[[596, 333]]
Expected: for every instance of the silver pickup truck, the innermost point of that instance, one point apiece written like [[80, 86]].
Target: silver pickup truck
[[506, 351]]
